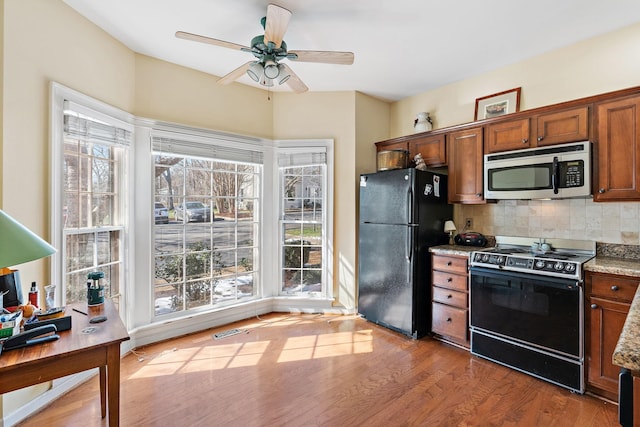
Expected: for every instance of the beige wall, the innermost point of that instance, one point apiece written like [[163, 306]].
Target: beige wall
[[168, 92], [594, 66], [598, 65]]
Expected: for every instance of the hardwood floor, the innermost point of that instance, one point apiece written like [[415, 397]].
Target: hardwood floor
[[318, 370]]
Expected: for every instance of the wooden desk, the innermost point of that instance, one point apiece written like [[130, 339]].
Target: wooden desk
[[77, 350]]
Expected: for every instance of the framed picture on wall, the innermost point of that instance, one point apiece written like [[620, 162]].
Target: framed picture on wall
[[498, 104]]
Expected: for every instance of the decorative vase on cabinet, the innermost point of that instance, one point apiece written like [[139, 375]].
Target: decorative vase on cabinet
[[422, 123]]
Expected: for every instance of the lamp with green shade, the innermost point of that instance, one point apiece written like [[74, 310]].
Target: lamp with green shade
[[18, 245]]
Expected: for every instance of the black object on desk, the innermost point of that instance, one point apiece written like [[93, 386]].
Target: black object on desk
[[30, 337]]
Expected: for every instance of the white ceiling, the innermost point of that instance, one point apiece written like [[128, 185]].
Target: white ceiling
[[401, 47]]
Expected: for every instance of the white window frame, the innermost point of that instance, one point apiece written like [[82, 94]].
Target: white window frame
[[108, 114], [307, 146]]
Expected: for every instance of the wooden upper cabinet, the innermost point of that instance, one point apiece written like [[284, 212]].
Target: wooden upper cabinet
[[465, 151], [432, 148], [563, 126], [617, 151], [539, 130], [508, 135]]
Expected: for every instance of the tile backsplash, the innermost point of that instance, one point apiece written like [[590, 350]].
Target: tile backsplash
[[580, 219]]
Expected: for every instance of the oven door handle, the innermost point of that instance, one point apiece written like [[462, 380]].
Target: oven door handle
[[555, 176]]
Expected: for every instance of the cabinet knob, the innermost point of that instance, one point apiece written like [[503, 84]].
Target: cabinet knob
[[540, 138], [449, 319], [449, 296], [525, 140], [601, 190], [594, 305], [614, 288], [449, 279], [449, 263], [478, 194]]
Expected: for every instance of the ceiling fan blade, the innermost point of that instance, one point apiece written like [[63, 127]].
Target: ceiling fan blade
[[294, 81], [235, 74], [209, 40], [323, 56], [276, 24]]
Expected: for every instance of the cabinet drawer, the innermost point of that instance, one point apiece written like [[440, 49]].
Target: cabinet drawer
[[449, 321], [449, 280], [450, 297], [614, 287], [450, 263]]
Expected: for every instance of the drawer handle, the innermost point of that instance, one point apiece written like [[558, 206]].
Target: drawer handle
[[449, 263], [449, 279], [449, 296], [449, 319], [594, 305], [614, 288]]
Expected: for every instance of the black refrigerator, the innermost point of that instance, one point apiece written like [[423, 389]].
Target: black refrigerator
[[402, 214]]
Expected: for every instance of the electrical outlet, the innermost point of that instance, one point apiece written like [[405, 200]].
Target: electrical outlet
[[468, 223]]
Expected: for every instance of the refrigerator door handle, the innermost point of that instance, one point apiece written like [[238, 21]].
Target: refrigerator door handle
[[409, 240], [409, 206]]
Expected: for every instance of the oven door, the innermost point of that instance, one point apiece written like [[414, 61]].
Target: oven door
[[544, 312]]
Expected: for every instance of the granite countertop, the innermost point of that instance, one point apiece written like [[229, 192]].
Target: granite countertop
[[627, 352], [612, 265], [454, 250]]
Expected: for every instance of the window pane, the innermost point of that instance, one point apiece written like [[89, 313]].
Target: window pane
[[302, 229], [217, 257]]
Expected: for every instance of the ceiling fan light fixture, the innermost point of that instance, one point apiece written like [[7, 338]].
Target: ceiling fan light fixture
[[255, 71], [284, 75], [271, 69]]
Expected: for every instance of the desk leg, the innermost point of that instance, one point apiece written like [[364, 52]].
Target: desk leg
[[113, 384], [103, 391]]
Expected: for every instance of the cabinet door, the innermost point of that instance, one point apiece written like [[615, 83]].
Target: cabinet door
[[509, 135], [606, 319], [617, 151], [465, 150], [432, 148], [563, 126]]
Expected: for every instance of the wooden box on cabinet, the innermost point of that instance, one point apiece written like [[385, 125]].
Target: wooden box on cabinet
[[608, 301], [450, 301]]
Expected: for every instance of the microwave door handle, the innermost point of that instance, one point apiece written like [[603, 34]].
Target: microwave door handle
[[555, 175]]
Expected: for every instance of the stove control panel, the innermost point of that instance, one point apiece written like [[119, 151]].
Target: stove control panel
[[546, 266], [563, 267]]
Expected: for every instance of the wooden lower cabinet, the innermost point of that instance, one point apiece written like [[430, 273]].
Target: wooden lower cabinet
[[450, 298], [608, 301]]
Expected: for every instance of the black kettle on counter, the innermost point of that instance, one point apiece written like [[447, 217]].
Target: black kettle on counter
[[470, 238]]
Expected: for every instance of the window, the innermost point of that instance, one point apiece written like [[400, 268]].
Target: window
[[207, 254], [303, 180], [92, 194]]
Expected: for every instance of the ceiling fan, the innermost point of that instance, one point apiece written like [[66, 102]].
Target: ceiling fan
[[270, 49]]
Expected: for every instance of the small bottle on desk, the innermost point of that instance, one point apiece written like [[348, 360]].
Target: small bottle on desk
[[33, 294]]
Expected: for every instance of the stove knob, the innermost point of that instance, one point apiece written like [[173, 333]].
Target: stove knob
[[539, 264], [570, 267], [558, 266], [485, 257], [500, 260]]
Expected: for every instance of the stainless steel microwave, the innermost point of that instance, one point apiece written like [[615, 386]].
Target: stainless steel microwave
[[552, 172]]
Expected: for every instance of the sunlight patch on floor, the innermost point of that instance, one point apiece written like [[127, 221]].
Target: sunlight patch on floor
[[238, 355]]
